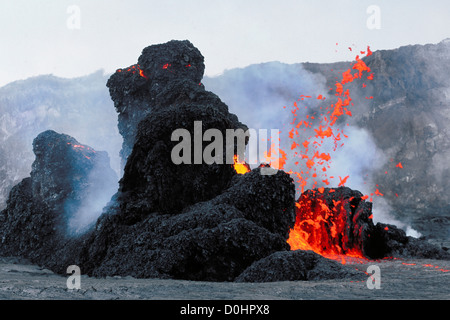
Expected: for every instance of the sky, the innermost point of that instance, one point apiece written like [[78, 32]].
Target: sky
[[72, 38]]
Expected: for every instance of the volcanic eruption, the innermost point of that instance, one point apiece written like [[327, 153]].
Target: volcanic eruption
[[198, 221]]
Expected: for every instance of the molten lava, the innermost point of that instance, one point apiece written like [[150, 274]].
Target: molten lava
[[133, 69], [325, 229], [312, 162], [240, 166], [276, 157]]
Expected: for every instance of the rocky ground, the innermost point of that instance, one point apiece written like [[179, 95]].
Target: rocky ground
[[400, 279]]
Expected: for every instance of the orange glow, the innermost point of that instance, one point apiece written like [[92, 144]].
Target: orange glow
[[274, 161], [240, 166], [141, 73], [360, 66], [342, 181], [322, 229], [435, 267], [310, 163], [322, 134], [81, 148], [133, 70]]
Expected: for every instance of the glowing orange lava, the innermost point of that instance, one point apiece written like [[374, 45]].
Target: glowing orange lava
[[80, 147], [133, 69], [141, 73], [276, 157], [324, 229], [240, 166]]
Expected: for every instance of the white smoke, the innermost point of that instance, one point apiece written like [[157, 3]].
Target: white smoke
[[98, 193], [80, 107]]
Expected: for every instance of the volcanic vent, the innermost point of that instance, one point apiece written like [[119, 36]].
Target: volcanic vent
[[333, 222]]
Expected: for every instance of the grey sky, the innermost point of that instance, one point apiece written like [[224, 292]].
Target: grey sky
[[35, 39]]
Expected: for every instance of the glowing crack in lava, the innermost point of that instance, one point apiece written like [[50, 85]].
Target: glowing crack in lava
[[86, 151], [134, 69]]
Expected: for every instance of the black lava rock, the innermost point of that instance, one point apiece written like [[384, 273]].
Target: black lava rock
[[152, 181], [135, 89], [393, 242], [39, 222], [297, 265], [213, 240], [161, 94]]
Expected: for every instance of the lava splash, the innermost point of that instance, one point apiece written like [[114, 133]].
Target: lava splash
[[335, 223]]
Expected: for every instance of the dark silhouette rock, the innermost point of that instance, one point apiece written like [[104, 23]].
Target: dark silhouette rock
[[135, 90], [152, 181], [43, 217], [393, 242], [213, 240]]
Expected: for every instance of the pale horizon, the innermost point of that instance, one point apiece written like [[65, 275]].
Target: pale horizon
[[70, 39]]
